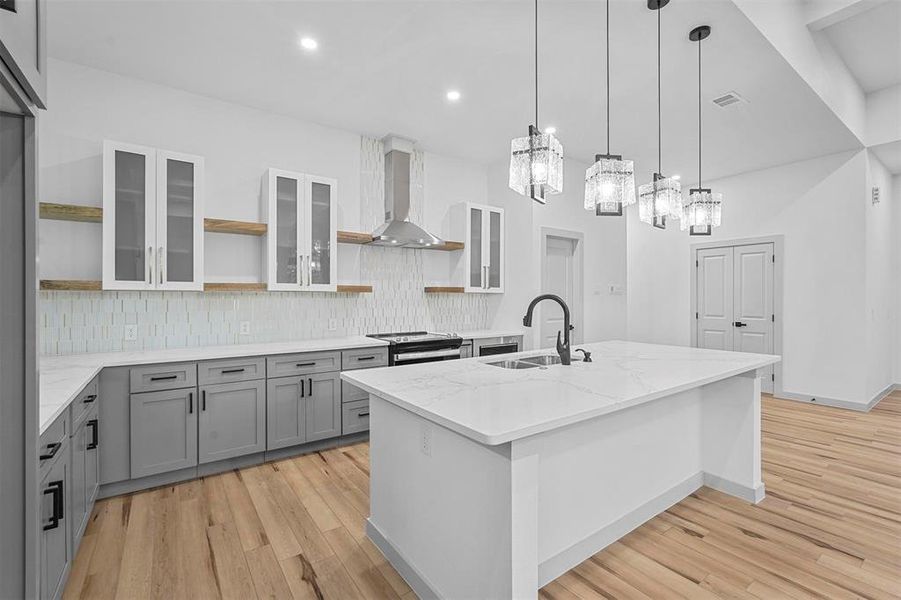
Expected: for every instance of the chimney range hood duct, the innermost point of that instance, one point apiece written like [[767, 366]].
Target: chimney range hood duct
[[397, 229]]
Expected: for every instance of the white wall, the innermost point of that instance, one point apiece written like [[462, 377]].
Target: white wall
[[604, 265], [884, 116], [881, 285], [896, 209], [817, 206]]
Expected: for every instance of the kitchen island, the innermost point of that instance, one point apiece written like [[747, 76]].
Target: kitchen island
[[489, 482]]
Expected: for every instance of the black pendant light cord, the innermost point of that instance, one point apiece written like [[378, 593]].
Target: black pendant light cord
[[536, 64], [700, 139], [659, 120], [608, 77]]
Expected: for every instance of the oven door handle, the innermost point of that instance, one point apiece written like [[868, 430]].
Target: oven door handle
[[404, 356]]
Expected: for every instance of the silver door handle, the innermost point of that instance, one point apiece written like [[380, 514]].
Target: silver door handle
[[160, 259], [150, 264]]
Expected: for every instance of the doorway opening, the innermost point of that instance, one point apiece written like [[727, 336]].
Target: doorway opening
[[736, 300], [561, 274]]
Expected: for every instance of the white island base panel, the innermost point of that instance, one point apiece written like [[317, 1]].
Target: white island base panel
[[460, 519]]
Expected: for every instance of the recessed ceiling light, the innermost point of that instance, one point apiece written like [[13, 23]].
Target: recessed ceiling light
[[453, 95], [550, 130], [308, 43], [676, 177]]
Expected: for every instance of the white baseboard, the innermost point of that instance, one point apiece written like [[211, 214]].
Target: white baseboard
[[824, 401], [752, 495]]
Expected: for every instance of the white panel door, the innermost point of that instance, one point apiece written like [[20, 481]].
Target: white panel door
[[753, 318], [558, 279], [735, 299], [715, 289]]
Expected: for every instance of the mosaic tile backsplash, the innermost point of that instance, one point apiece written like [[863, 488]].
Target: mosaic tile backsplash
[[74, 322]]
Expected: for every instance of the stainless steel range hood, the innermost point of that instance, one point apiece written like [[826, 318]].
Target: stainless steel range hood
[[397, 229]]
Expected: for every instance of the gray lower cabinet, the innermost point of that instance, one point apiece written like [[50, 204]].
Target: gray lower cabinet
[[303, 409], [55, 543], [355, 416], [323, 406], [163, 431], [85, 474], [232, 420]]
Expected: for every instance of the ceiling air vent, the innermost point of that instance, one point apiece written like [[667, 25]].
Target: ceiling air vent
[[727, 99]]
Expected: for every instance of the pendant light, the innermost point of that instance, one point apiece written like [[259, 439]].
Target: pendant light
[[662, 198], [704, 208], [536, 161], [610, 181]]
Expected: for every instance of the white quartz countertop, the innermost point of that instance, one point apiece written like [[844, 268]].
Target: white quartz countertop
[[493, 406], [64, 377]]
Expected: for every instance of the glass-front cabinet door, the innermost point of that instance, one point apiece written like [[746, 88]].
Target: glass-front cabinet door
[[320, 251], [179, 229], [301, 213], [484, 247], [129, 217]]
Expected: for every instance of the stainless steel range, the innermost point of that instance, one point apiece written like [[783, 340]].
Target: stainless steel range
[[411, 347]]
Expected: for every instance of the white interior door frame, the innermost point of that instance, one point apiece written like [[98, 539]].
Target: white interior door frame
[[576, 310], [778, 242]]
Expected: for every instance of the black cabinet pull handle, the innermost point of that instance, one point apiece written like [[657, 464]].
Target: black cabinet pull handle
[[361, 415], [190, 403], [52, 449], [163, 377], [56, 489], [203, 400], [310, 364], [302, 391], [227, 371], [740, 324], [366, 358], [311, 386], [89, 399], [94, 436]]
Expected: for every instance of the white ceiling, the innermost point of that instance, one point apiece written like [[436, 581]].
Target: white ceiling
[[889, 154], [869, 43], [386, 66]]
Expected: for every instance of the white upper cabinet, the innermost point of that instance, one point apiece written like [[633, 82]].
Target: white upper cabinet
[[483, 254], [301, 240], [152, 219]]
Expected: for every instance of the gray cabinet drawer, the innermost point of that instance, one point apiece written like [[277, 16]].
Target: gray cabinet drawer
[[364, 358], [54, 442], [302, 364], [350, 392], [85, 401], [355, 416], [235, 369], [154, 378]]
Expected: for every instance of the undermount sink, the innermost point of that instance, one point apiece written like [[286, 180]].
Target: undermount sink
[[512, 364], [543, 360]]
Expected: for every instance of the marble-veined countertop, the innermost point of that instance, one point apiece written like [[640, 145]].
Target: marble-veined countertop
[[492, 405]]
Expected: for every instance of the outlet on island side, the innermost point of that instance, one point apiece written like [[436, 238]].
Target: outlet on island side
[[425, 440]]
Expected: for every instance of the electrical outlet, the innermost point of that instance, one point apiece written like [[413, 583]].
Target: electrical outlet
[[332, 324], [245, 328], [425, 440], [131, 333]]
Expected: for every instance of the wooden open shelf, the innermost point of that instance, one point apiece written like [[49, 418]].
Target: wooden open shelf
[[87, 285], [238, 227], [354, 237], [74, 285], [443, 290], [71, 212]]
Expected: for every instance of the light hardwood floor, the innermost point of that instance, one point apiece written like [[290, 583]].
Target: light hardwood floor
[[830, 527]]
